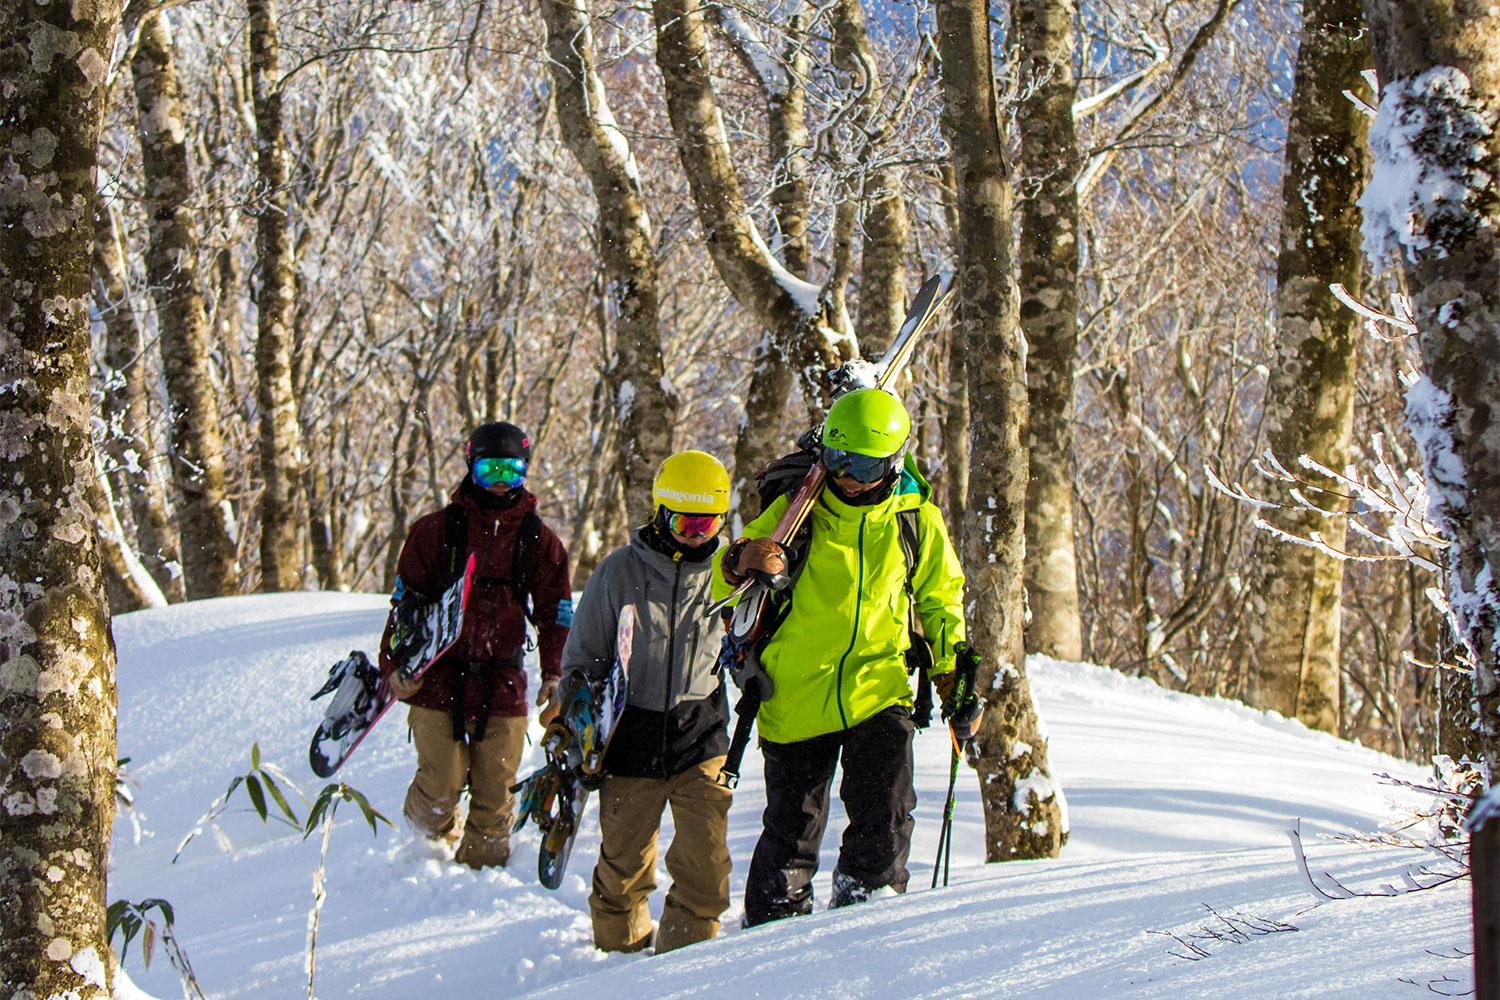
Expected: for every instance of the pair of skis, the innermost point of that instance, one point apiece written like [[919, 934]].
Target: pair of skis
[[747, 619]]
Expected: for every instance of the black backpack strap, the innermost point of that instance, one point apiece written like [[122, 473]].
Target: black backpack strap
[[456, 546], [523, 560], [919, 652], [911, 547]]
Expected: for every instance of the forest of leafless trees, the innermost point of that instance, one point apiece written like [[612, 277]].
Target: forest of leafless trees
[[273, 415], [299, 249]]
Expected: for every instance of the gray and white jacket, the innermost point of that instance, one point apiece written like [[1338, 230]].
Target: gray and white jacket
[[676, 711]]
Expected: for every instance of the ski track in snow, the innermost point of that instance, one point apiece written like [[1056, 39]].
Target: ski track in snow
[[1177, 803]]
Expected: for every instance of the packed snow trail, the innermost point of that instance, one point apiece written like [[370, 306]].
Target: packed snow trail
[[1177, 803]]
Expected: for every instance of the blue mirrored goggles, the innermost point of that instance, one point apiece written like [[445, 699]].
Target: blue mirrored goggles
[[492, 472], [861, 468]]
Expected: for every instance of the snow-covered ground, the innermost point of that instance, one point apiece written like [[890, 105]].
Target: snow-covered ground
[[1179, 807]]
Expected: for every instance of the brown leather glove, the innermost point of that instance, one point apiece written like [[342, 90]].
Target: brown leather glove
[[746, 554]]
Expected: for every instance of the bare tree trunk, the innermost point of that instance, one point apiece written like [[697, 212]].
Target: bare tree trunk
[[322, 538], [956, 403], [1010, 750], [1049, 163], [781, 82], [57, 658], [127, 422], [882, 275], [1295, 591], [171, 261], [1439, 70], [280, 556], [645, 408], [126, 583], [787, 306]]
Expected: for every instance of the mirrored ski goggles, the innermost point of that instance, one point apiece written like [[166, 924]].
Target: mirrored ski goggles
[[861, 468], [491, 472], [692, 525]]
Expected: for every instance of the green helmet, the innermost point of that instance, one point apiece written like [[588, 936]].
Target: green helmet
[[867, 422]]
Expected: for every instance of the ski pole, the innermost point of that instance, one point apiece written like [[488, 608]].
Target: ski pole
[[945, 838]]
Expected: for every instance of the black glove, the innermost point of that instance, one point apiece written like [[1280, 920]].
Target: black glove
[[743, 667], [962, 708]]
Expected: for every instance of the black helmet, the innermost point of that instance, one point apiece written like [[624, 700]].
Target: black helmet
[[498, 440]]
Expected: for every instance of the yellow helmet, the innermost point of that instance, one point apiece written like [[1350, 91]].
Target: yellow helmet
[[691, 482]]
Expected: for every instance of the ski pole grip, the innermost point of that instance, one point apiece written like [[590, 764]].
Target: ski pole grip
[[744, 711]]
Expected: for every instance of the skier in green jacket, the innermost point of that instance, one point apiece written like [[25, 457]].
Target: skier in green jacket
[[837, 663]]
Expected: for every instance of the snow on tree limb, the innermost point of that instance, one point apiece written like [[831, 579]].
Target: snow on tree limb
[[1429, 142]]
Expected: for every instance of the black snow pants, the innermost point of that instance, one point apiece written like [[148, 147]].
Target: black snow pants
[[877, 794]]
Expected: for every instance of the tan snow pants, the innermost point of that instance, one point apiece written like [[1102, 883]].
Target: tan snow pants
[[698, 860], [445, 767]]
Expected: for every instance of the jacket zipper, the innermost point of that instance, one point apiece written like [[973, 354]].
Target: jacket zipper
[[671, 656], [859, 594]]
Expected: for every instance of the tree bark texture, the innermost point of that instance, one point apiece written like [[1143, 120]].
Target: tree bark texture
[[172, 265], [322, 536], [57, 684], [645, 409], [1022, 809], [882, 273], [771, 380], [1439, 70], [127, 422], [755, 279], [280, 433], [1295, 603], [1049, 164], [956, 395]]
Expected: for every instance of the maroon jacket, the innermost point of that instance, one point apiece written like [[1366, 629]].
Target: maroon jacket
[[494, 624]]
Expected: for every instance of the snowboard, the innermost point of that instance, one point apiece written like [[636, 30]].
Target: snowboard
[[361, 695], [574, 745]]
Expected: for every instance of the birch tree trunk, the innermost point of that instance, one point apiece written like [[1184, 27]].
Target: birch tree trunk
[[1295, 591], [127, 421], [1439, 121], [789, 307], [645, 409], [57, 660], [280, 554], [882, 273], [172, 264], [1022, 810], [781, 80], [1049, 164], [956, 395]]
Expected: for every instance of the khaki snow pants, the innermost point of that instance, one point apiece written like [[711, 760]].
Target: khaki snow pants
[[698, 860], [445, 767]]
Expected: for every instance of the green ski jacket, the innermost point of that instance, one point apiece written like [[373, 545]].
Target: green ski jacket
[[839, 657]]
